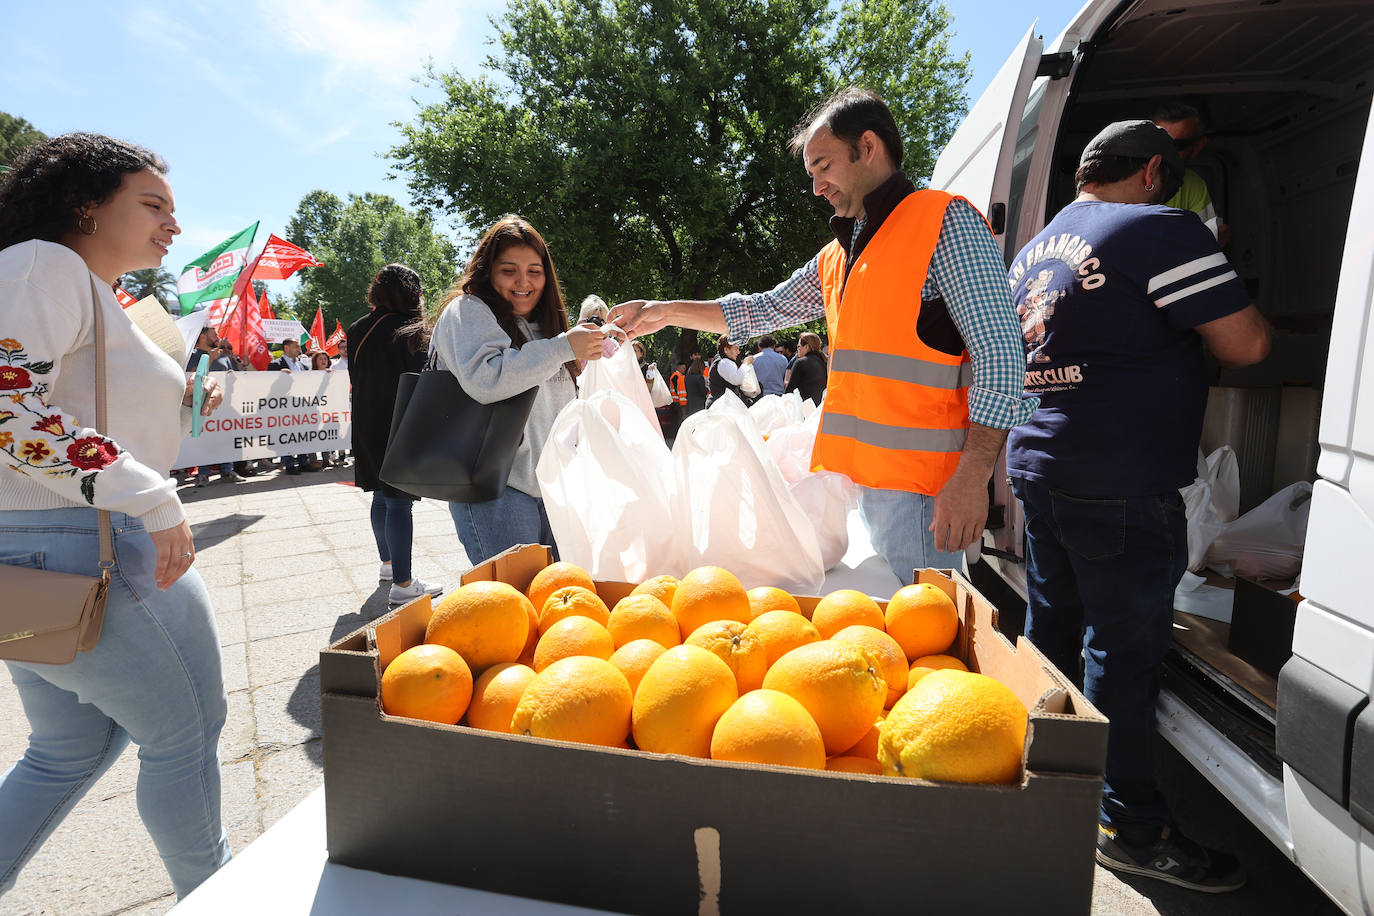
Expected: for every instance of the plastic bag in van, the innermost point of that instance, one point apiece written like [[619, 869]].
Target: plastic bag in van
[[1267, 541], [1210, 502]]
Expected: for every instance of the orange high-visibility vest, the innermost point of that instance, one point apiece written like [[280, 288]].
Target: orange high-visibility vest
[[896, 410], [679, 386]]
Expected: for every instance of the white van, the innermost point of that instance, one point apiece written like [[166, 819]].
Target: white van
[[1286, 88]]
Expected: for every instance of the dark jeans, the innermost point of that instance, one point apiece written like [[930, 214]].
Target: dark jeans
[[393, 527], [1100, 578]]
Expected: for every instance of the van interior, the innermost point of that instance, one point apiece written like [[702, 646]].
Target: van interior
[[1284, 89]]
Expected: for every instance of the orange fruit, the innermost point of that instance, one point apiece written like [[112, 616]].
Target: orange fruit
[[928, 663], [708, 593], [661, 587], [955, 726], [427, 682], [572, 636], [578, 699], [847, 764], [783, 631], [837, 684], [885, 654], [531, 640], [634, 658], [923, 620], [680, 699], [765, 726], [643, 617], [844, 608], [572, 601], [766, 598], [485, 622], [732, 643], [867, 746], [553, 577], [496, 694]]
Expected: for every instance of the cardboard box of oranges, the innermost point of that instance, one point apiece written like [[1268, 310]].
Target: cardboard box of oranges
[[629, 831]]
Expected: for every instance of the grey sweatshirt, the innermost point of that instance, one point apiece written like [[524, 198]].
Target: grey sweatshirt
[[472, 346]]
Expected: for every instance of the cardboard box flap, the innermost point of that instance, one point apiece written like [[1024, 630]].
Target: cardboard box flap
[[350, 671], [403, 630], [516, 566]]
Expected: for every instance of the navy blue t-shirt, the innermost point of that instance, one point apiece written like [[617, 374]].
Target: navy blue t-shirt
[[1108, 296]]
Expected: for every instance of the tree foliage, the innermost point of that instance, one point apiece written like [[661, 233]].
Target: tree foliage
[[355, 239], [648, 141], [16, 135], [154, 281]]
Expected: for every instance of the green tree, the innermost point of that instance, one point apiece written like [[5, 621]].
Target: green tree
[[355, 239], [648, 141], [154, 281], [16, 135]]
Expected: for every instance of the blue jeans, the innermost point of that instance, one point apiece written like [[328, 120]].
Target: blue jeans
[[486, 529], [1100, 578], [154, 679], [393, 526], [899, 525]]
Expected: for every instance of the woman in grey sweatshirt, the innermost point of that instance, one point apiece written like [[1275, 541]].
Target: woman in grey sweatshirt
[[504, 331]]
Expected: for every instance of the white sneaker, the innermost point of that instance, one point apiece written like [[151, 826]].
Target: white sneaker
[[416, 588], [384, 573]]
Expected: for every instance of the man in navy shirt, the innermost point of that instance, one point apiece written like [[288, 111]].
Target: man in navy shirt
[[1117, 297]]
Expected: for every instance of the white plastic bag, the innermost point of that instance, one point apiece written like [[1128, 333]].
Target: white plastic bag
[[827, 498], [772, 411], [1267, 541], [737, 510], [618, 372], [749, 387], [791, 447], [606, 478], [659, 395], [1210, 502]]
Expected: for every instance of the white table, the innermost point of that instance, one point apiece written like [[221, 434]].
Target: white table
[[286, 870]]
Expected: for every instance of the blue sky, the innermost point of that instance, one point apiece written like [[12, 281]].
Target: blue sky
[[257, 102]]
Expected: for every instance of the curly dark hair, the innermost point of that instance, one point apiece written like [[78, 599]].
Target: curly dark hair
[[49, 184], [397, 289]]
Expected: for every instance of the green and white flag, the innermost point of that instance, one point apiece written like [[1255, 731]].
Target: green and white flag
[[208, 281]]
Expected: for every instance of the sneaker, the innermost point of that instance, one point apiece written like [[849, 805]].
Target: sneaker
[[1172, 858], [416, 588], [202, 480], [384, 573], [293, 471]]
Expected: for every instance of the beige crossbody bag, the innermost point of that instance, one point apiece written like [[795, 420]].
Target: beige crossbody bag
[[49, 616]]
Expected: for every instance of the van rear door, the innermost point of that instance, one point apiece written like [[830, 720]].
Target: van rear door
[[976, 163]]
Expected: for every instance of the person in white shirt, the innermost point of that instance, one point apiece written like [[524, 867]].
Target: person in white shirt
[[76, 212]]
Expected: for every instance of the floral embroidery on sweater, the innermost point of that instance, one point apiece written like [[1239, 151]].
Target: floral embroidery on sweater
[[38, 440]]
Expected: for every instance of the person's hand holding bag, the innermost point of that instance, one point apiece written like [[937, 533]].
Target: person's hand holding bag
[[587, 340]]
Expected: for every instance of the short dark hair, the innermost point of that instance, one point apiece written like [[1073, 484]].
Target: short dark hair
[[768, 342], [1176, 111], [50, 183], [289, 340], [849, 113], [1108, 169]]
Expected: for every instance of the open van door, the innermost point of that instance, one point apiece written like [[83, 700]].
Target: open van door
[[976, 163]]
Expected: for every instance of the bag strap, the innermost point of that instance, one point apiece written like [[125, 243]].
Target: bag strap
[[102, 427], [367, 335]]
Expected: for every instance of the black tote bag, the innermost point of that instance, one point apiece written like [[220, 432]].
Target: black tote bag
[[446, 445]]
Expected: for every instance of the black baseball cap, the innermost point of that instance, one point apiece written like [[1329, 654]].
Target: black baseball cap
[[1136, 140]]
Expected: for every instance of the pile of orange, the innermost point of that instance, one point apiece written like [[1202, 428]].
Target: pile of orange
[[703, 667]]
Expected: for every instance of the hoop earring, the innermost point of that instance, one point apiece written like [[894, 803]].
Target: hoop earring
[[1149, 187], [83, 223]]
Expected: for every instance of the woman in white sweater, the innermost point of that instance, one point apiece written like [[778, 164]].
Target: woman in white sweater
[[504, 331], [74, 209]]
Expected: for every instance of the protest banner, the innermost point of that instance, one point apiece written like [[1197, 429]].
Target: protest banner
[[275, 330], [269, 414]]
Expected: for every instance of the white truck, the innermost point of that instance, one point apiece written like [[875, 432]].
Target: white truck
[[1286, 88]]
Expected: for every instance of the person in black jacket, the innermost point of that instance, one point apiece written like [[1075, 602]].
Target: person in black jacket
[[808, 376], [388, 341], [697, 389]]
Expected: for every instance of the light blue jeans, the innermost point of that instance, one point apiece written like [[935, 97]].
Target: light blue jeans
[[899, 525], [485, 529], [154, 678]]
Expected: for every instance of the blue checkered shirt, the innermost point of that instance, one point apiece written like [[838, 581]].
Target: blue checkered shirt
[[966, 269]]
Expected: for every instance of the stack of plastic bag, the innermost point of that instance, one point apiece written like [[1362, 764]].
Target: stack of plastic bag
[[619, 372], [1211, 502], [1266, 542]]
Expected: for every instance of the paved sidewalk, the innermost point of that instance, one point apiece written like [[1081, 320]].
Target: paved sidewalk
[[291, 566]]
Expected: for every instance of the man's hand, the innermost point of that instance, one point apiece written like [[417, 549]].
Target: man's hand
[[175, 552], [961, 510], [638, 317]]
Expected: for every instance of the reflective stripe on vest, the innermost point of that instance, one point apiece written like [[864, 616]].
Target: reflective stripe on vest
[[896, 411], [679, 386]]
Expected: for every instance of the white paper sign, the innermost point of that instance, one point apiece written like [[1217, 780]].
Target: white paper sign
[[269, 414], [275, 330]]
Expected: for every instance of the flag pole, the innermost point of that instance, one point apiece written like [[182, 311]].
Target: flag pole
[[236, 292]]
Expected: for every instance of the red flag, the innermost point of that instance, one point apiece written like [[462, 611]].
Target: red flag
[[265, 308], [317, 331], [123, 298], [280, 259], [255, 344], [331, 346]]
